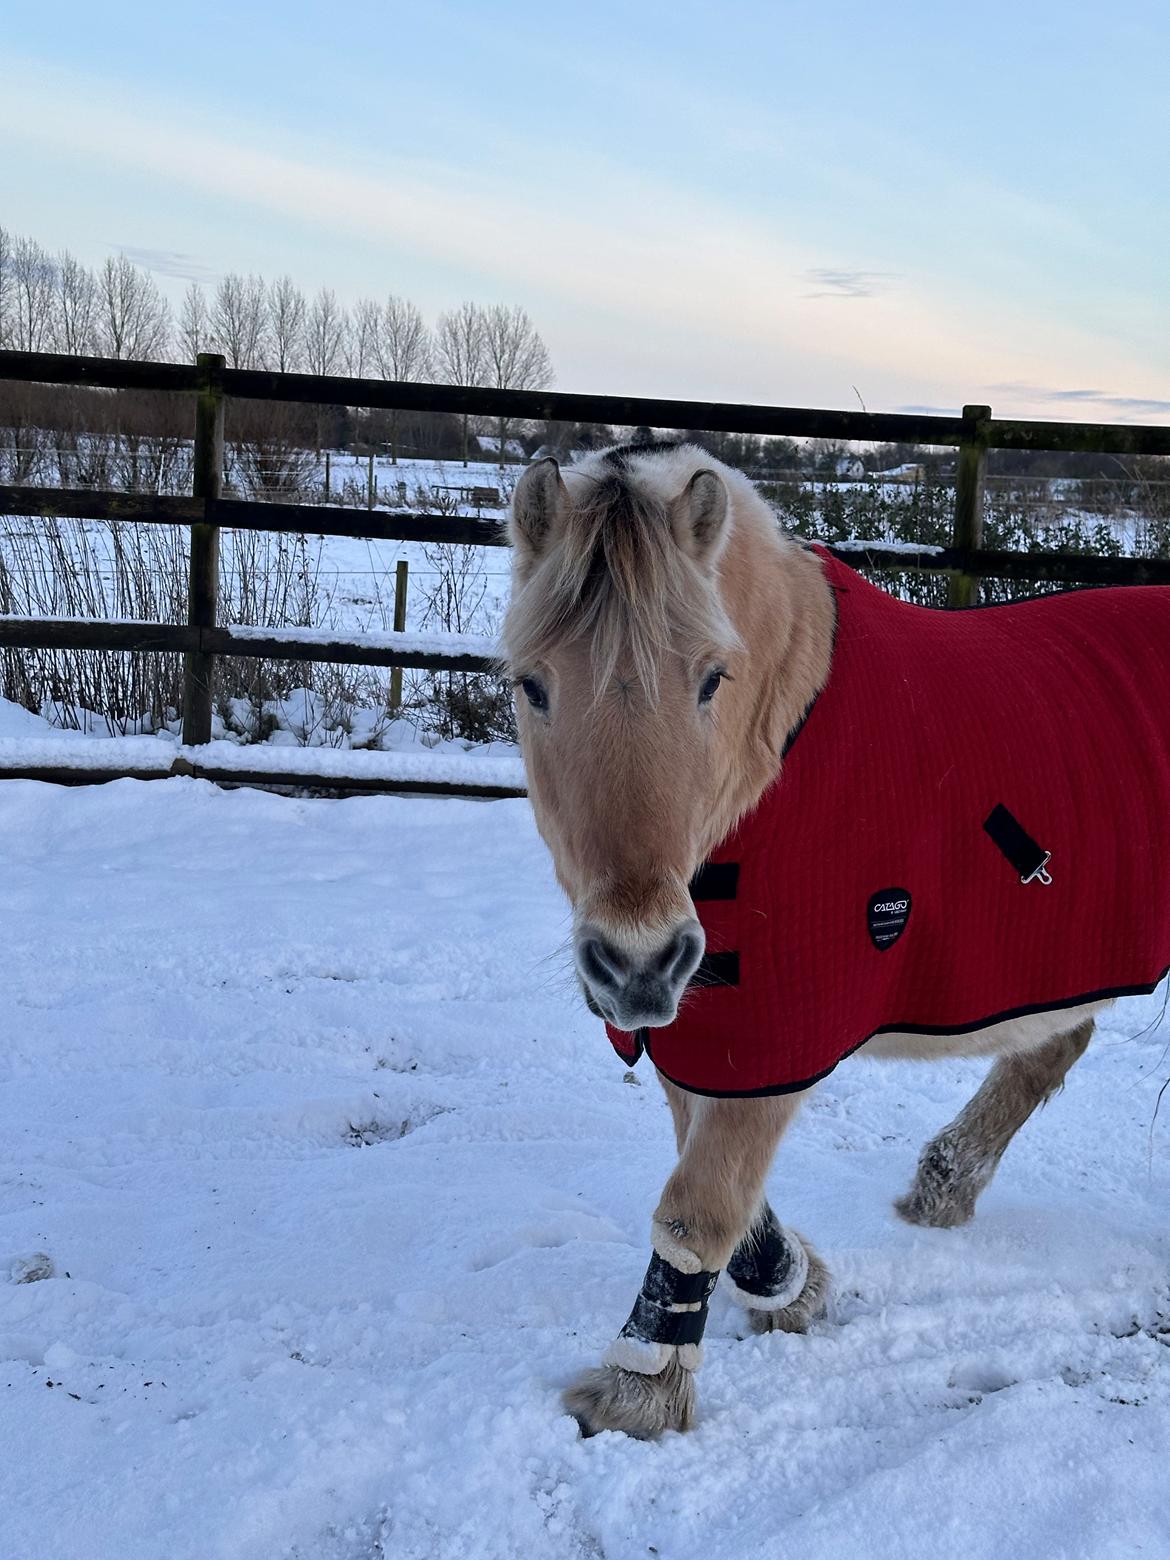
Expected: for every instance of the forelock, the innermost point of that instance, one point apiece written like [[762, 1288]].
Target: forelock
[[614, 574]]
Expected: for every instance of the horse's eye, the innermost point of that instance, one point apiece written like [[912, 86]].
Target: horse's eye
[[710, 685], [534, 692]]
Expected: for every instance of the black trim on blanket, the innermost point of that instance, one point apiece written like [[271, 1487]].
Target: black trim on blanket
[[1108, 995], [631, 1054]]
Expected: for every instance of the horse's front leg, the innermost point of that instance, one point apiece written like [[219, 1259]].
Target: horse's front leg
[[774, 1273], [710, 1203]]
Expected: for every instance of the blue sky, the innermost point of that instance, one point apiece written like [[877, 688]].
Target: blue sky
[[924, 203]]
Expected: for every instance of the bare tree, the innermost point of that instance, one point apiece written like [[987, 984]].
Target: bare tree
[[239, 320], [133, 318], [404, 351], [75, 322], [286, 325], [364, 326], [34, 290], [461, 350], [194, 323], [325, 333], [517, 358], [7, 289], [326, 330]]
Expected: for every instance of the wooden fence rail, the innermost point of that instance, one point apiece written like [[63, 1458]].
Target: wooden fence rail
[[560, 406], [195, 639], [206, 512]]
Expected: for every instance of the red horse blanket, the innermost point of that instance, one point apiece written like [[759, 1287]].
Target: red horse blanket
[[896, 875]]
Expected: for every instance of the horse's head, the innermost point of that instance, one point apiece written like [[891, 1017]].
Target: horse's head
[[634, 705]]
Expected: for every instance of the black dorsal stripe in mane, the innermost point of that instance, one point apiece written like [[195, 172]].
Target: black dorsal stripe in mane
[[620, 456]]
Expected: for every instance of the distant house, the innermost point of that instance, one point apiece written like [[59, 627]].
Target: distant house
[[849, 468], [907, 473], [489, 445]]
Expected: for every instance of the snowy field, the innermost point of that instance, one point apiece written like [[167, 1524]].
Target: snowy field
[[359, 575], [345, 584], [340, 1183]]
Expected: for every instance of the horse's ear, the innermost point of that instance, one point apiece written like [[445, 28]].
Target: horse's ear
[[699, 516], [541, 497]]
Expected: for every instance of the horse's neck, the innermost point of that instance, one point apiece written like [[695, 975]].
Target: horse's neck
[[782, 605]]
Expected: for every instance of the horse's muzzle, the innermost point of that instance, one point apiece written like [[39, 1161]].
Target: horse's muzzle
[[634, 990]]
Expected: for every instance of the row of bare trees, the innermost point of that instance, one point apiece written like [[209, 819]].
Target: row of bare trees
[[259, 324], [53, 303]]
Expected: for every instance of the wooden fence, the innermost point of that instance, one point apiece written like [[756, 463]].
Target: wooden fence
[[207, 512]]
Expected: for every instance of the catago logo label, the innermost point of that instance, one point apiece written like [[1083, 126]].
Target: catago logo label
[[886, 916]]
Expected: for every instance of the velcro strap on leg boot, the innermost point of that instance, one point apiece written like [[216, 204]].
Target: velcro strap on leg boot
[[669, 1313], [769, 1268]]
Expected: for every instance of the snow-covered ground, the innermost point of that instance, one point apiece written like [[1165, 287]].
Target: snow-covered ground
[[340, 1183]]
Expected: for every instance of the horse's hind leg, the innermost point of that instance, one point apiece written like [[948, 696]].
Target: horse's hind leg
[[777, 1277], [955, 1166]]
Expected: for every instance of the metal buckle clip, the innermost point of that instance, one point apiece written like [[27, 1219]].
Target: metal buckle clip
[[1040, 874]]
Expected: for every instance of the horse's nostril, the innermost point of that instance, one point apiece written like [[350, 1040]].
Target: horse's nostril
[[676, 963], [602, 963], [684, 955]]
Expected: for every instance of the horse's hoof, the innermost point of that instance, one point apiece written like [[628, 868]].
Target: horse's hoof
[[808, 1307], [941, 1196], [609, 1398], [938, 1208]]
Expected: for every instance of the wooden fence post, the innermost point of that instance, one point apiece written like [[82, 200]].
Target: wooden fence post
[[327, 476], [399, 627], [203, 587], [970, 473], [370, 485]]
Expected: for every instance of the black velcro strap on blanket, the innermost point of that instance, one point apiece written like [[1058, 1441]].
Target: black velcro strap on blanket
[[717, 969], [763, 1262], [715, 880], [652, 1319], [1006, 831]]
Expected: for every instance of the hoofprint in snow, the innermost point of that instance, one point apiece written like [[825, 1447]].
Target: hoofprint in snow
[[340, 1184]]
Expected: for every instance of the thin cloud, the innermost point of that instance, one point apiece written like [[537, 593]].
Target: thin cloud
[[169, 262], [1137, 403], [1133, 405], [829, 282]]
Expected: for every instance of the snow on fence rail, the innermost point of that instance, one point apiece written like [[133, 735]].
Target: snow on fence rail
[[206, 512], [71, 760]]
